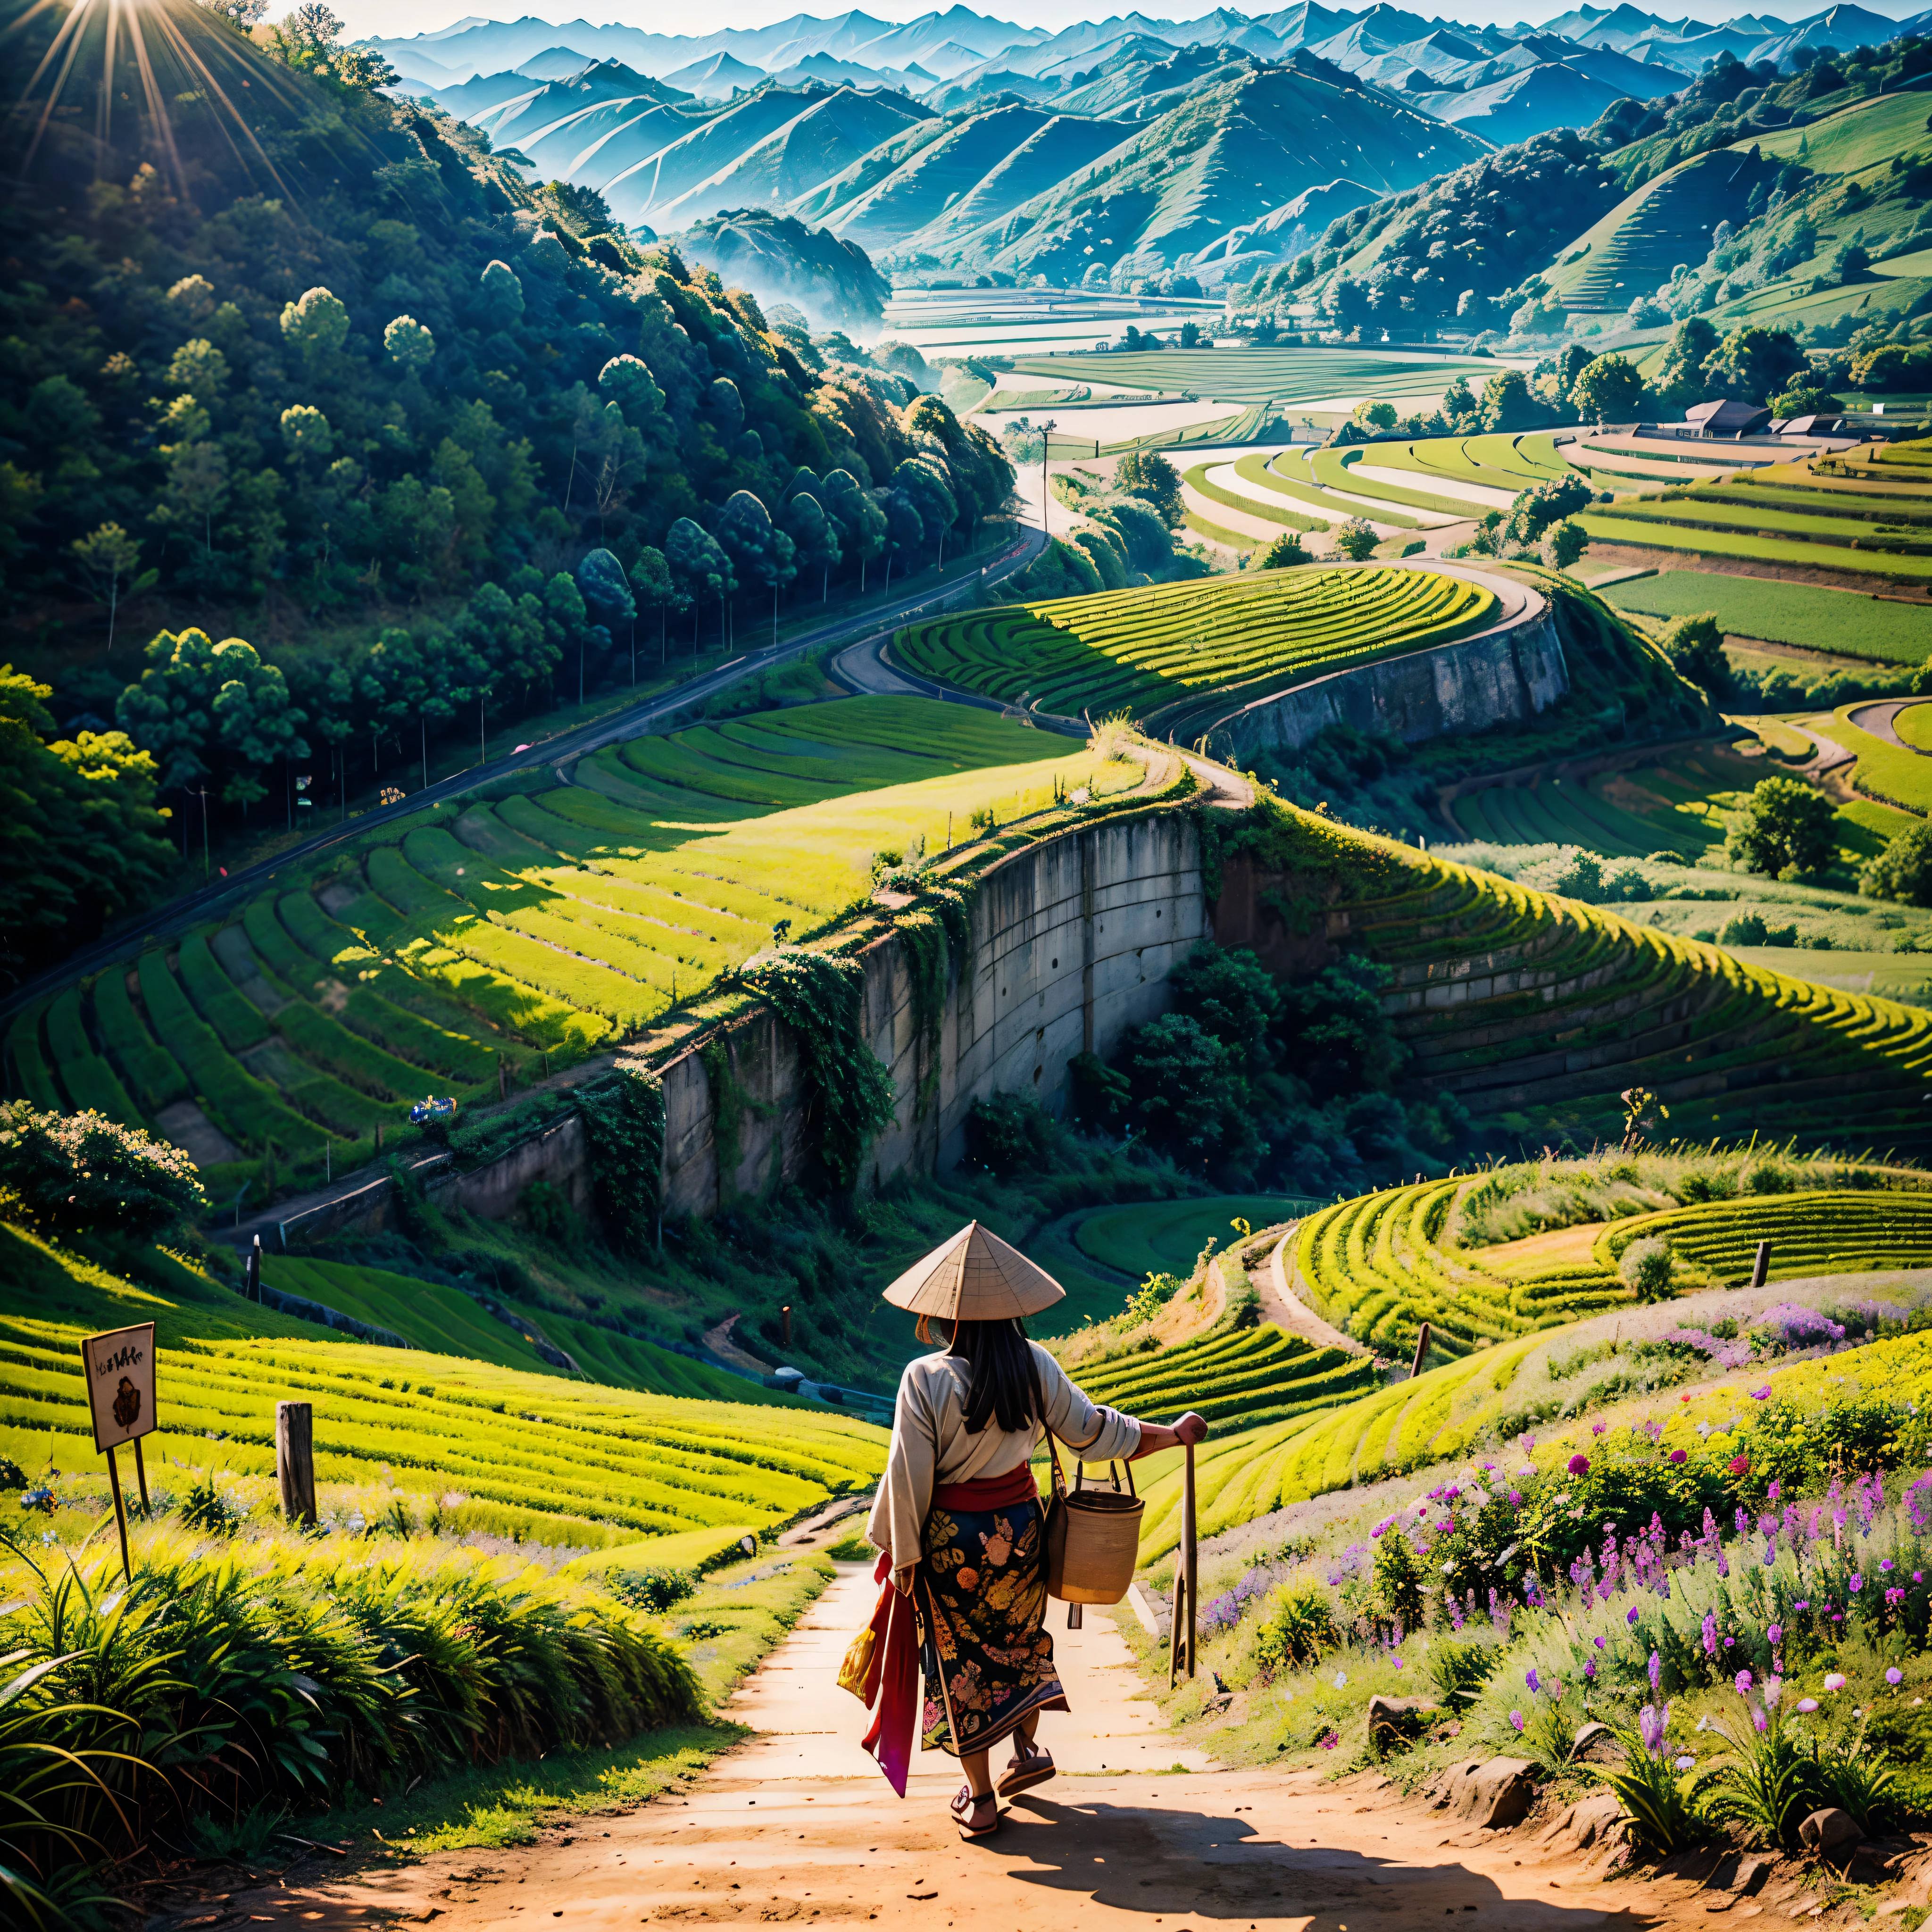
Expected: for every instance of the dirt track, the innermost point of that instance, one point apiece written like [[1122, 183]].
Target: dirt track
[[796, 1825]]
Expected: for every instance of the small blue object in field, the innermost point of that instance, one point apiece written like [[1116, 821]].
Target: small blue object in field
[[433, 1109]]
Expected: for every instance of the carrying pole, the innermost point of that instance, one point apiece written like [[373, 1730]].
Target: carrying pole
[[1180, 1642], [1421, 1350]]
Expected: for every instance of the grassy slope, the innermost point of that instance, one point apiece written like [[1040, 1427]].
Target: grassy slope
[[1788, 613], [572, 1461]]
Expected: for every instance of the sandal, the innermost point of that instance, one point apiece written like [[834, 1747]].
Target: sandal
[[966, 1808], [1029, 1765]]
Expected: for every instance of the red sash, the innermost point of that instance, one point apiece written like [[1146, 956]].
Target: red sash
[[893, 1679]]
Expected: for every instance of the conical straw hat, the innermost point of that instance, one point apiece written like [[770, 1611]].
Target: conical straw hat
[[975, 1277]]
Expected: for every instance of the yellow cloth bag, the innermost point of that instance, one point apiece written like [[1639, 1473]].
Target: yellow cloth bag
[[858, 1665]]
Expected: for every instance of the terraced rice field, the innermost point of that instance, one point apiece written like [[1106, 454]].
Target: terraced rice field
[[524, 927], [1681, 808], [1164, 1237], [1287, 376], [1846, 621], [1538, 1011], [1251, 1374], [1180, 656], [604, 1459], [1378, 1266], [433, 1316], [1870, 516]]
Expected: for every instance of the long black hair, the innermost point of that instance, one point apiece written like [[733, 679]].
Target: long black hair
[[1003, 1383]]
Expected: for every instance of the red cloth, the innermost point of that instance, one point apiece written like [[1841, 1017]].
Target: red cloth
[[893, 1678]]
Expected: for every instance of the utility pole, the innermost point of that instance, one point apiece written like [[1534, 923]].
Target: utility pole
[[206, 873], [1046, 429]]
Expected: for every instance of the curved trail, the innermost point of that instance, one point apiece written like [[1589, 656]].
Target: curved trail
[[795, 1825]]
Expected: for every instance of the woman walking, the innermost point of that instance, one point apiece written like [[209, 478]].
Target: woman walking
[[960, 1523]]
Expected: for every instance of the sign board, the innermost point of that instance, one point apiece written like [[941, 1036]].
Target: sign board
[[120, 1370]]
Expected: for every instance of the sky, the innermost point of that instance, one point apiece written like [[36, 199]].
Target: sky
[[406, 17]]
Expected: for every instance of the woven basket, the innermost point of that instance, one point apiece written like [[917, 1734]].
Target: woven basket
[[1092, 1536]]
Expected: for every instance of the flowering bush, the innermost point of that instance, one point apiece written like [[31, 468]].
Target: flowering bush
[[78, 1172]]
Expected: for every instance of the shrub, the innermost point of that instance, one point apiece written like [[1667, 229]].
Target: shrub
[[1786, 829], [1299, 1629], [80, 1172], [1903, 870], [1284, 553], [1645, 1268], [1356, 539], [1695, 645], [655, 1590], [1010, 1133], [1458, 1671]]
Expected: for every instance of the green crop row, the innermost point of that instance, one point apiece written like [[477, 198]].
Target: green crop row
[[437, 1423], [1608, 526], [1174, 651], [1854, 625], [1196, 479]]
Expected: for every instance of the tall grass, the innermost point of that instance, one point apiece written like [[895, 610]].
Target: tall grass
[[229, 1679]]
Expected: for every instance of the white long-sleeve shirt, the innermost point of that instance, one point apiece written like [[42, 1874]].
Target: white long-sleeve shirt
[[931, 1444]]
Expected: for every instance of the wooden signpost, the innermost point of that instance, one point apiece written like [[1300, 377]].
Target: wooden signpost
[[120, 1370]]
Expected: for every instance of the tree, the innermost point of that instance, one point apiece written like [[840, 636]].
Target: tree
[[1564, 544], [629, 383], [1786, 830], [1751, 363], [699, 568], [1506, 405], [651, 584], [1374, 416], [499, 297], [1286, 552], [1607, 389], [1852, 261], [1542, 504], [1338, 1034], [1679, 379], [862, 523], [206, 709], [409, 345], [1230, 994], [1805, 397], [75, 1173], [1154, 480], [1695, 645], [109, 555], [84, 838], [760, 553], [316, 326], [1356, 540], [1904, 870], [1184, 1090], [306, 431], [815, 538], [606, 590]]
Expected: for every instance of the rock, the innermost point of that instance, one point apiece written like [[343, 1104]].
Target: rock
[[1493, 1793], [1590, 1821], [1394, 1722], [1595, 1744], [1741, 1876], [1829, 1830]]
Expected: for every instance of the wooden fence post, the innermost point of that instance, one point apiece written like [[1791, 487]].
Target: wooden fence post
[[252, 1291], [1761, 1266], [295, 1459], [1180, 1642], [1421, 1349]]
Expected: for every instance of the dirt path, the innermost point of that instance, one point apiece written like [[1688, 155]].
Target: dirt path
[[796, 1825], [1286, 1309]]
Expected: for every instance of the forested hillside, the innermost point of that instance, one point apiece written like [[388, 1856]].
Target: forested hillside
[[368, 438]]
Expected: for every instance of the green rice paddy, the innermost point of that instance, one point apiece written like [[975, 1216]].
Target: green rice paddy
[[1181, 656], [1288, 376], [1849, 622], [1164, 1237], [524, 928]]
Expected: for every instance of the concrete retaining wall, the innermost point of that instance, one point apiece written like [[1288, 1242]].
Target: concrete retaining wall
[[1511, 672], [1071, 943]]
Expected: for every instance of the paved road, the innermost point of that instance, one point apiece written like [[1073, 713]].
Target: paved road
[[633, 721], [1881, 720]]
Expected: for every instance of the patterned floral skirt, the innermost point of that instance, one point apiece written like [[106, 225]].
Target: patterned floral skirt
[[981, 1597]]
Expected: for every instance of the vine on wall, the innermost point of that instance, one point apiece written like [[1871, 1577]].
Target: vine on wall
[[938, 935], [624, 1125], [848, 1093]]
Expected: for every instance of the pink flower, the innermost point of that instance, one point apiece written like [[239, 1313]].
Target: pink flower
[[1835, 1682], [1516, 1719], [1579, 1465], [1807, 1704], [1744, 1682], [1775, 1633], [1677, 1455], [1894, 1675], [1597, 1428], [1763, 1394], [1739, 1466]]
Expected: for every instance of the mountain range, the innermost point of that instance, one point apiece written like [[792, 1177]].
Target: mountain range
[[1125, 147]]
